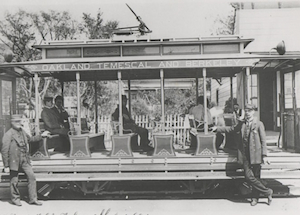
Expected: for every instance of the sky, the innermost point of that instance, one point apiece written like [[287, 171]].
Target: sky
[[166, 18]]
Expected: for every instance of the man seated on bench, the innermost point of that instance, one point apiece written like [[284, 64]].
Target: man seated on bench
[[60, 111], [198, 113], [54, 125], [130, 124]]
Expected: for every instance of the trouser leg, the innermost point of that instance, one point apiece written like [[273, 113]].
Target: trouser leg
[[256, 172], [256, 184], [143, 132], [14, 191], [32, 193]]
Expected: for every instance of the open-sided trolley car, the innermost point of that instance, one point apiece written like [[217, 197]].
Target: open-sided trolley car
[[91, 165]]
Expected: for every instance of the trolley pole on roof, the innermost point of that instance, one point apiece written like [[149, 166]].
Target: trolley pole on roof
[[120, 103], [78, 101], [205, 101], [162, 83]]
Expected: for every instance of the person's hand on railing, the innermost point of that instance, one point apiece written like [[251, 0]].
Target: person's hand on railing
[[213, 129], [46, 134], [6, 170]]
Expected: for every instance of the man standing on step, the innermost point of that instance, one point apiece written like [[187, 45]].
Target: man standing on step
[[252, 151], [15, 157]]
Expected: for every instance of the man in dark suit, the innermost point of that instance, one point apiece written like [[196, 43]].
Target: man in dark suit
[[130, 124], [252, 151], [61, 112], [54, 124], [16, 157]]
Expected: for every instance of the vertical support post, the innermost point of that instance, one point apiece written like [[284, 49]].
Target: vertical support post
[[197, 89], [296, 131], [282, 111], [1, 99], [129, 94], [247, 87], [36, 80], [14, 98], [162, 89], [120, 103], [78, 101], [205, 101], [231, 93], [62, 92], [96, 106]]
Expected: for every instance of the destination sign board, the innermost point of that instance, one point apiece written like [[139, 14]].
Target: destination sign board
[[126, 65]]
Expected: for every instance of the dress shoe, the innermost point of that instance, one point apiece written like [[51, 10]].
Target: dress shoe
[[254, 201], [147, 149], [36, 202], [270, 197], [17, 203]]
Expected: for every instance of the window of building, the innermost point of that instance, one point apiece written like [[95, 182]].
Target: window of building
[[253, 94], [288, 90]]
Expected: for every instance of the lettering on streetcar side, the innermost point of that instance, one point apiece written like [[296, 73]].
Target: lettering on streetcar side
[[122, 65]]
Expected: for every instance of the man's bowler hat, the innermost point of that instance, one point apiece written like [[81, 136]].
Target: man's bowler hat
[[48, 98], [16, 117], [249, 107]]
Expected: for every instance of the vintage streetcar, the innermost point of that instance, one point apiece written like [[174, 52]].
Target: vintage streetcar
[[92, 164]]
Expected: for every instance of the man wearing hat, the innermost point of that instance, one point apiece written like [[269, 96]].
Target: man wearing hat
[[54, 124], [252, 151], [61, 112], [130, 124], [15, 157]]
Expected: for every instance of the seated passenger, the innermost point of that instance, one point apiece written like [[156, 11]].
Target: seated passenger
[[128, 123], [238, 113], [60, 111], [198, 113], [54, 125]]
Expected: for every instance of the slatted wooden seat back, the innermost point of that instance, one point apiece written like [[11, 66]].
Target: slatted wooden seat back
[[163, 145], [79, 146], [121, 145], [40, 150], [83, 123], [206, 145], [134, 137], [196, 124]]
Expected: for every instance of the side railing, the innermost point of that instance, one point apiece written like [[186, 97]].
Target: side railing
[[176, 124]]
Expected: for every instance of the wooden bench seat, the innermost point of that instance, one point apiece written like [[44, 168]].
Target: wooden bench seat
[[163, 145], [122, 145], [40, 150], [81, 145], [203, 144]]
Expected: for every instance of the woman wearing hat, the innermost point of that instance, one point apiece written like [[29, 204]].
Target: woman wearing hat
[[15, 157]]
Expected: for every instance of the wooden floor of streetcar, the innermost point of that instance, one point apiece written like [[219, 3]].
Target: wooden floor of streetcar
[[183, 166]]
